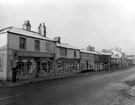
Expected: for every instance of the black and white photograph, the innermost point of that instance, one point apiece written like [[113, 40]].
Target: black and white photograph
[[67, 52]]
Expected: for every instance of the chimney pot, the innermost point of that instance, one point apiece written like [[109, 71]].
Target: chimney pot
[[42, 29], [57, 39], [27, 25]]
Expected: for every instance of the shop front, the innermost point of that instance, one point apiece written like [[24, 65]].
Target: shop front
[[96, 66], [90, 65], [87, 65], [30, 66], [83, 65], [67, 66]]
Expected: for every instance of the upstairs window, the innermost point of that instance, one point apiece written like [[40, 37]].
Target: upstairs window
[[63, 52], [74, 54], [37, 45], [23, 43], [49, 47]]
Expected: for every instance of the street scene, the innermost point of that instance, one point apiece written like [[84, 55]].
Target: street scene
[[67, 52], [108, 88]]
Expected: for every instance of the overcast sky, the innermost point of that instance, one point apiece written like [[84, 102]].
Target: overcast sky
[[104, 24]]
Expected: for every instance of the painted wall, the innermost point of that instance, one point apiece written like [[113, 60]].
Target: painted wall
[[3, 65], [30, 43], [3, 56], [3, 41], [87, 56], [57, 52], [70, 53]]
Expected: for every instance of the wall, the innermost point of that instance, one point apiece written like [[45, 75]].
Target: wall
[[97, 58], [57, 52], [3, 56], [70, 54], [3, 41], [3, 65], [87, 56], [30, 43]]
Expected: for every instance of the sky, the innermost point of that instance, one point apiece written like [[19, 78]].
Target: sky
[[104, 24]]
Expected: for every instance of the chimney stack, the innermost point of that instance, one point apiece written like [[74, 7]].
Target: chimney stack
[[42, 29], [57, 39], [90, 48], [27, 25]]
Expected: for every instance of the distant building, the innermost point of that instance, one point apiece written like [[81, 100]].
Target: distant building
[[121, 57], [131, 59], [106, 60], [90, 48], [87, 60], [30, 52]]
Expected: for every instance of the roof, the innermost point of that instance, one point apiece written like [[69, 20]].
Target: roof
[[113, 56], [90, 52], [131, 56], [24, 32], [65, 45], [102, 53], [115, 50]]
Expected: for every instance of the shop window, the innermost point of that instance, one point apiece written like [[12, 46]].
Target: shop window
[[23, 43], [83, 66], [37, 45], [25, 66]]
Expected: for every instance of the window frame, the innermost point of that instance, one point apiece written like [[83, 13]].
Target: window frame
[[63, 52], [75, 54], [49, 47], [37, 45], [22, 44]]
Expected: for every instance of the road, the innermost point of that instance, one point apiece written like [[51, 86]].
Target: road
[[83, 90]]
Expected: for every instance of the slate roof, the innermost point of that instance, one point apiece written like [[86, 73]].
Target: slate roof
[[91, 52], [65, 45], [24, 32], [102, 53], [113, 56]]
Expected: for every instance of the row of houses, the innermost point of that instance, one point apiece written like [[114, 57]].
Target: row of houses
[[34, 54]]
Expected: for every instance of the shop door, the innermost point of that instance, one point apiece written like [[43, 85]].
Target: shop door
[[38, 66]]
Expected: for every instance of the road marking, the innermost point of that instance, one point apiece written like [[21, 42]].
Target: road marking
[[10, 97]]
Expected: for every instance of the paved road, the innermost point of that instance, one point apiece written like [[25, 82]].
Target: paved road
[[84, 90]]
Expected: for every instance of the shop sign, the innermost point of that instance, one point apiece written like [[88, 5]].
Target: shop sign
[[1, 64]]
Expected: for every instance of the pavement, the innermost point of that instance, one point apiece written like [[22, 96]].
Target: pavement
[[60, 76], [38, 79]]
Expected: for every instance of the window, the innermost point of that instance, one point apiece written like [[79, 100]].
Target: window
[[63, 52], [74, 54], [1, 64], [37, 45], [49, 46], [23, 43]]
